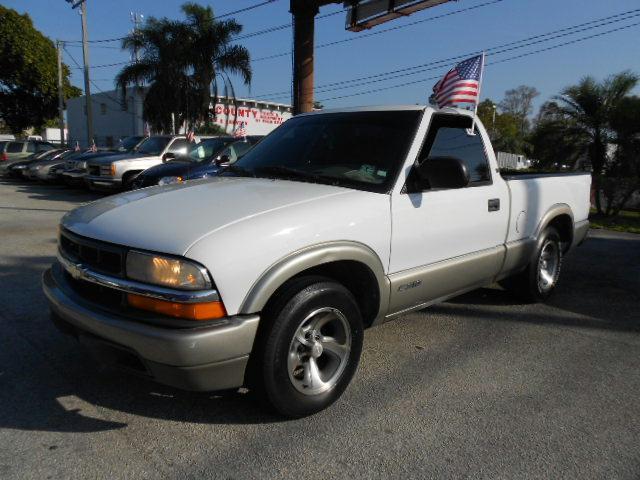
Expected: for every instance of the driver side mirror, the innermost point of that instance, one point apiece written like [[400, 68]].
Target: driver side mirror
[[222, 160], [444, 172], [168, 156]]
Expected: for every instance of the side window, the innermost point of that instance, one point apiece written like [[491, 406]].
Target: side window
[[232, 152], [31, 147], [42, 147], [180, 146], [448, 137], [456, 142], [242, 148]]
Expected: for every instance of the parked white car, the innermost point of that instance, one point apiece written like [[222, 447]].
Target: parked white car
[[267, 275]]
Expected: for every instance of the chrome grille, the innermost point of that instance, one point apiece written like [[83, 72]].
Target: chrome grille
[[101, 257]]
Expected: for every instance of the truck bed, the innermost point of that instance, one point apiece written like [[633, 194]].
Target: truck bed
[[534, 194]]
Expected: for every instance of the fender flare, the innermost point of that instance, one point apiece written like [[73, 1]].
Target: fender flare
[[553, 212], [299, 261]]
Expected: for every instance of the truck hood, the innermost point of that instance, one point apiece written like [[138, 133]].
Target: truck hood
[[114, 157], [171, 218]]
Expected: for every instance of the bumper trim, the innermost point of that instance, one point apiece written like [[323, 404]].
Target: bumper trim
[[229, 339], [80, 272], [580, 232]]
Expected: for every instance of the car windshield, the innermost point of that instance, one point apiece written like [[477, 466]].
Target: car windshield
[[204, 150], [128, 144], [154, 145], [361, 150]]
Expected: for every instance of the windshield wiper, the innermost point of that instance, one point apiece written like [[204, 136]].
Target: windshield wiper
[[288, 172], [238, 170]]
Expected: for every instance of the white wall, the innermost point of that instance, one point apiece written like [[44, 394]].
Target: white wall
[[111, 122]]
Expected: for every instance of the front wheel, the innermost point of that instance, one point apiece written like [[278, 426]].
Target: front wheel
[[311, 349], [538, 281]]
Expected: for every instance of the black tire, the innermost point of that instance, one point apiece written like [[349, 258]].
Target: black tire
[[531, 285], [302, 301], [128, 179]]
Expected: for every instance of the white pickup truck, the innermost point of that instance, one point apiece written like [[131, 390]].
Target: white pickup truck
[[267, 275], [120, 170]]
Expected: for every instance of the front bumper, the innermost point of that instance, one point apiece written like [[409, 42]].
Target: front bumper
[[99, 182], [73, 177], [204, 358]]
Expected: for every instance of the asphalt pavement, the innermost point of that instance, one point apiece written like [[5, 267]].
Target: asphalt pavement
[[481, 386]]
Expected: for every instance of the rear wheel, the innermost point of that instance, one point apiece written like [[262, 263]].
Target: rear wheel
[[538, 281], [311, 348]]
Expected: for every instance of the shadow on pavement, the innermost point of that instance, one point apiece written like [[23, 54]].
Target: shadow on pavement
[[49, 383]]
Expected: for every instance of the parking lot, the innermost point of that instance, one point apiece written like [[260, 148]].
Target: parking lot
[[480, 386]]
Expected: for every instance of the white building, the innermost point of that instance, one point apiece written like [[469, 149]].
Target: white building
[[114, 119]]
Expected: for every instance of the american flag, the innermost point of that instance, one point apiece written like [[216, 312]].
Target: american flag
[[240, 131], [93, 148], [461, 84], [191, 137]]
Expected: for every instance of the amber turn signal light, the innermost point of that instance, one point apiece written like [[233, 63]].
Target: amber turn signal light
[[189, 311]]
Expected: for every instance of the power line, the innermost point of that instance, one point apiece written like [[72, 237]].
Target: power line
[[103, 40], [285, 26], [114, 100], [106, 65], [245, 9], [386, 30], [525, 42], [228, 14], [504, 60]]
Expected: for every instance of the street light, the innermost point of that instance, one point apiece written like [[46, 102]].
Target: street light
[[493, 121]]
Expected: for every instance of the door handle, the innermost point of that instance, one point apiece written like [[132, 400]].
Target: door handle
[[494, 204]]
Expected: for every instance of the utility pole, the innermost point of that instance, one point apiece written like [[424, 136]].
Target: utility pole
[[136, 18], [59, 46], [85, 57], [303, 40], [304, 13]]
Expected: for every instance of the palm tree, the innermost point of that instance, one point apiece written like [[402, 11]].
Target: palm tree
[[181, 62], [588, 108], [211, 57]]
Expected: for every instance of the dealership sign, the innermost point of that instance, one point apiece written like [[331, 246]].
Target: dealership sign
[[258, 121]]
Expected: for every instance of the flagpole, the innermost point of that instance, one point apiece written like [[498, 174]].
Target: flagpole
[[475, 110]]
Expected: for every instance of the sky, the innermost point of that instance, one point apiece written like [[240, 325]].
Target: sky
[[481, 26]]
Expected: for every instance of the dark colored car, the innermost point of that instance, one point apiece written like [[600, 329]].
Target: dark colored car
[[203, 159], [16, 151], [18, 169]]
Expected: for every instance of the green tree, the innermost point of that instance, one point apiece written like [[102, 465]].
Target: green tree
[[622, 178], [505, 131], [28, 74], [518, 102], [183, 63], [587, 109]]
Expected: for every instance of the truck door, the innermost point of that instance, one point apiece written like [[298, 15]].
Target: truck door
[[446, 241]]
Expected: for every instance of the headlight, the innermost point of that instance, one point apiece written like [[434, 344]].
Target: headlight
[[170, 180], [166, 271]]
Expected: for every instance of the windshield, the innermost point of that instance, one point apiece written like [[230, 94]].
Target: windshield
[[128, 144], [154, 145], [353, 149], [205, 149]]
